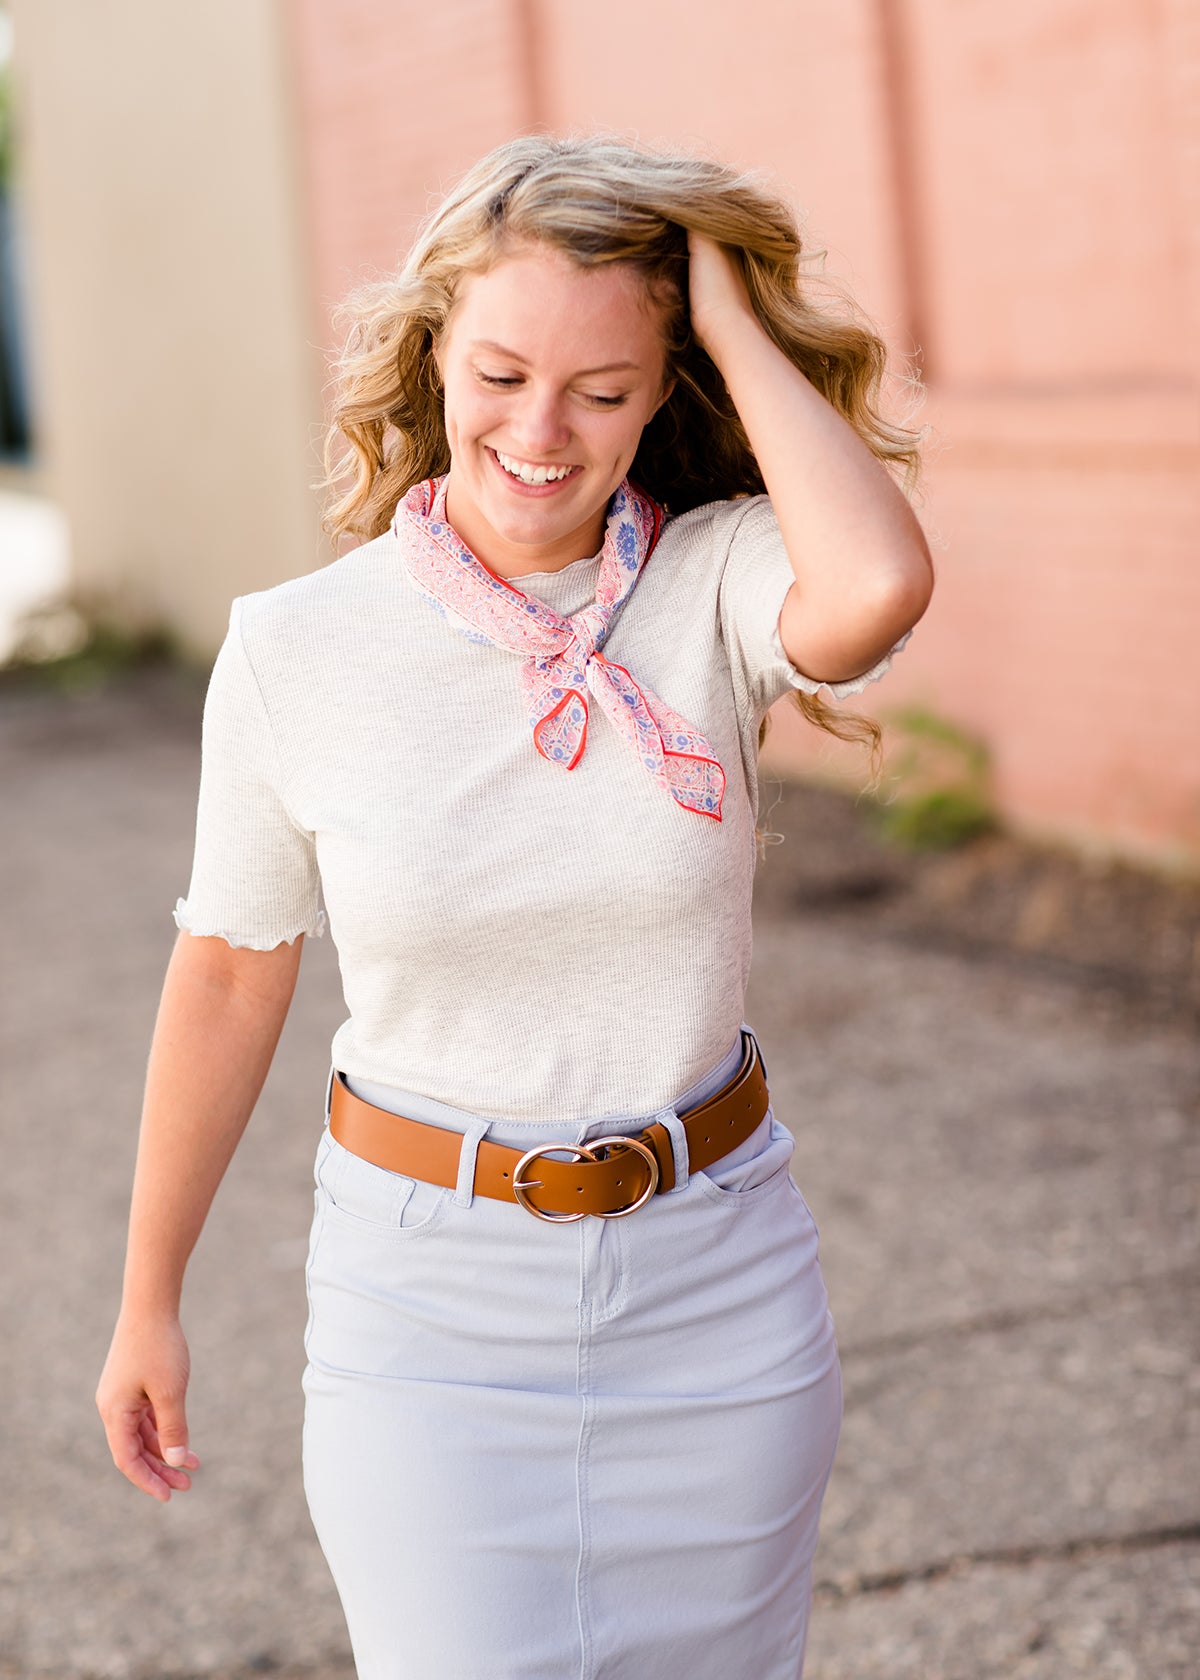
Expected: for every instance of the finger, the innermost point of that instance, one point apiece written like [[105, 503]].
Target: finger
[[147, 1479], [177, 1480], [174, 1476], [131, 1461], [168, 1418], [124, 1432], [153, 1445]]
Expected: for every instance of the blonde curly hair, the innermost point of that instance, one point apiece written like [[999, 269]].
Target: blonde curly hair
[[600, 199]]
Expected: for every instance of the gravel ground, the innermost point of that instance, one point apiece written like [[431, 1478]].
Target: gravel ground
[[990, 1062]]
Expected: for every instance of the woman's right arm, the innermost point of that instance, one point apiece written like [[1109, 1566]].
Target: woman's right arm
[[219, 1020]]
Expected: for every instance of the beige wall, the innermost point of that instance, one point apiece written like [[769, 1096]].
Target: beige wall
[[179, 386]]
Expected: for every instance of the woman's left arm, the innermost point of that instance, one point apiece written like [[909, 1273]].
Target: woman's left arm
[[863, 569]]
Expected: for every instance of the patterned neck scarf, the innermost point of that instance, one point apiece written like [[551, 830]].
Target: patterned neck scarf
[[562, 660]]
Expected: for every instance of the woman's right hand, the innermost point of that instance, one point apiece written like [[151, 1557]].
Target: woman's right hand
[[140, 1397], [219, 1020]]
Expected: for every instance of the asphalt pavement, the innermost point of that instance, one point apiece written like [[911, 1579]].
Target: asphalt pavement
[[1005, 1170]]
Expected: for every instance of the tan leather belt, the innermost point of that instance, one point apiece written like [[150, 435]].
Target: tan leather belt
[[608, 1176]]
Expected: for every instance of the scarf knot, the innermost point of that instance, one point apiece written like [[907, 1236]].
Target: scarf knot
[[562, 662]]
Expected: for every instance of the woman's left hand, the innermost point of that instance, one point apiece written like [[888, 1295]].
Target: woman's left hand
[[717, 291]]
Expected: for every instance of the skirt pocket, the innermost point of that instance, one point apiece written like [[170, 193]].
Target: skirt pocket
[[752, 1170], [358, 1194], [366, 1275]]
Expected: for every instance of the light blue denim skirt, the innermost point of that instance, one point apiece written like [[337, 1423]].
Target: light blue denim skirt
[[590, 1451]]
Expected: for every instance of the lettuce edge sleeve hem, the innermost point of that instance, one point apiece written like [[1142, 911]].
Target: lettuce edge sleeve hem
[[184, 919], [839, 690]]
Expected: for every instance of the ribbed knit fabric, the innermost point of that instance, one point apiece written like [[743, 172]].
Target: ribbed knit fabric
[[513, 940]]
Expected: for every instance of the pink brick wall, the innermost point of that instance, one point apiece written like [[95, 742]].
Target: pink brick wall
[[1049, 199], [395, 100], [1014, 189], [1063, 628]]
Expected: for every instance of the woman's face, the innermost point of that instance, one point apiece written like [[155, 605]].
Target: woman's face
[[545, 365]]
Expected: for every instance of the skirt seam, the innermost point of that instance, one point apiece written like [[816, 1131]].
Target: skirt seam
[[586, 1418]]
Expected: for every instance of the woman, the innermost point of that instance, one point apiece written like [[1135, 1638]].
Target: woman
[[572, 1392]]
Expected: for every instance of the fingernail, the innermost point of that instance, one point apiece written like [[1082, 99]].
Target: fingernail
[[176, 1457]]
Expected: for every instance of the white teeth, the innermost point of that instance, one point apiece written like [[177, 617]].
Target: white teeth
[[531, 475]]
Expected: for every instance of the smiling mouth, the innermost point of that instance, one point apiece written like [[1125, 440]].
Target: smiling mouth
[[526, 472]]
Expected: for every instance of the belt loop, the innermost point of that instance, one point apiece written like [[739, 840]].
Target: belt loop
[[750, 1033], [329, 1093], [679, 1150], [464, 1190]]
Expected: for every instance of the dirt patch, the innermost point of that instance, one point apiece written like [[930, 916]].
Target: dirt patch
[[1128, 932]]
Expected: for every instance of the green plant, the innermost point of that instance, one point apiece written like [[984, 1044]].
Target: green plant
[[6, 112], [942, 784]]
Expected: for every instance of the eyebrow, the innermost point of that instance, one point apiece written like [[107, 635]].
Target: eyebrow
[[514, 355]]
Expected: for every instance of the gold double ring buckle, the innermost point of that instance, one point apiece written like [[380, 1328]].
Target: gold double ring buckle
[[584, 1152]]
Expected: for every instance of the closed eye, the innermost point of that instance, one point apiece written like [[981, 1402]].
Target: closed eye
[[507, 381]]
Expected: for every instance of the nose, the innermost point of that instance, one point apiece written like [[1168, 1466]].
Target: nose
[[540, 427]]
